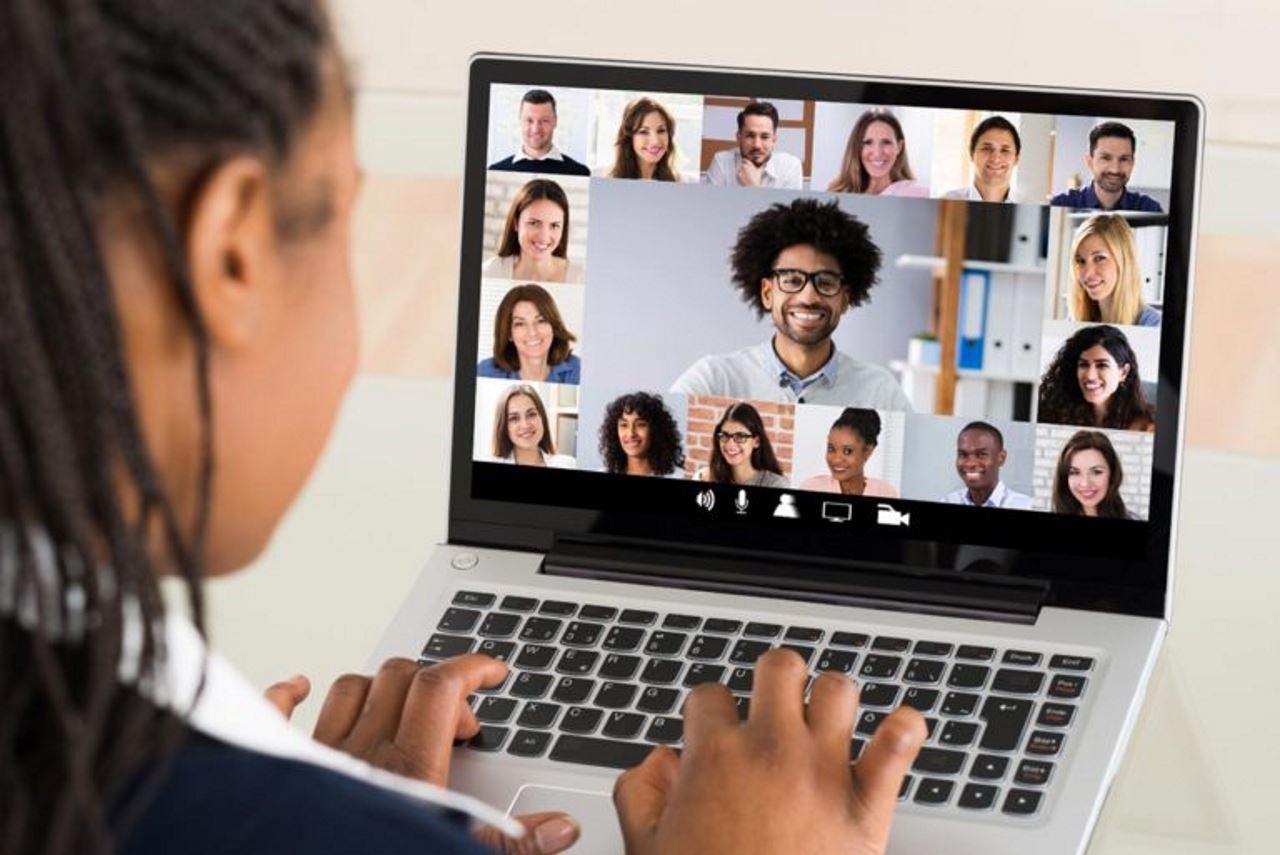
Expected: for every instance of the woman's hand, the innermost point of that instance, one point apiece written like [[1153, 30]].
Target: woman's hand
[[406, 718], [780, 782]]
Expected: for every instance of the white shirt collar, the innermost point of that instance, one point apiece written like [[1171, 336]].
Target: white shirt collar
[[554, 154]]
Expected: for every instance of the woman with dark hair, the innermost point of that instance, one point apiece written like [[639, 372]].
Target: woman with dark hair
[[639, 436], [530, 340], [1088, 478], [646, 143], [520, 431], [1093, 381], [850, 443], [741, 452], [534, 243], [875, 159]]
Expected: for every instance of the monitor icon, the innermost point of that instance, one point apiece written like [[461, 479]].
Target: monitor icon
[[837, 511]]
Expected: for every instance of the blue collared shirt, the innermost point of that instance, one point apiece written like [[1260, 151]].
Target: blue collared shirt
[[568, 372], [1084, 197], [1001, 497], [830, 371]]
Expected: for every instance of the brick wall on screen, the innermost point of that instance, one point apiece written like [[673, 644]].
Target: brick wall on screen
[[705, 411], [1134, 449]]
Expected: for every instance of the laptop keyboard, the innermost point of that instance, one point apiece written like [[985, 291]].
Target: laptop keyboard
[[600, 686]]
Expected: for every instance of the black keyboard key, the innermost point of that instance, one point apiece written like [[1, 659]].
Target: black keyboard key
[[837, 660], [541, 629], [529, 743], [934, 791], [856, 747], [616, 695], [700, 673], [924, 671], [623, 725], [891, 644], [582, 634], [743, 704], [741, 680], [707, 647], [535, 657], [975, 653], [499, 625], [978, 797], [1006, 719], [573, 690], [559, 608], [1027, 658], [500, 650], [905, 787], [665, 729], [1021, 802], [604, 613], [590, 751], [473, 598], [538, 714], [458, 620], [932, 648], [623, 638], [930, 725], [495, 710], [1016, 682], [489, 738], [1055, 715], [581, 720], [1071, 663], [849, 639], [639, 616], [989, 767], [1044, 743], [806, 634], [939, 761], [656, 699], [756, 629], [880, 667], [682, 622], [530, 685], [958, 733], [1033, 773], [968, 676], [868, 721], [878, 695], [722, 625], [441, 646], [661, 671], [747, 652], [579, 662], [1066, 686], [959, 704], [518, 604], [619, 666], [806, 652], [664, 643], [921, 699]]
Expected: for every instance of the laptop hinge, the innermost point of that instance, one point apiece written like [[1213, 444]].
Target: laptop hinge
[[952, 593]]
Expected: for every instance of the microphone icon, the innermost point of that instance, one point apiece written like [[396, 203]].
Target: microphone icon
[[741, 502]]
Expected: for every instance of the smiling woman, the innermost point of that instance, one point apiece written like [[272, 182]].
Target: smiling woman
[[646, 143], [1094, 381], [534, 242], [531, 341]]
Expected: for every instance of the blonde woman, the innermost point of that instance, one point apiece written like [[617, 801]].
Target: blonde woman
[[1108, 284]]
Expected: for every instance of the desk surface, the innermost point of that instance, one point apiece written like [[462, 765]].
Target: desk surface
[[1200, 776]]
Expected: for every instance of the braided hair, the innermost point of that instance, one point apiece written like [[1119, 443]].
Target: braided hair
[[97, 94]]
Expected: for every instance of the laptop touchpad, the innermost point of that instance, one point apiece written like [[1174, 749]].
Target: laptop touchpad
[[593, 811]]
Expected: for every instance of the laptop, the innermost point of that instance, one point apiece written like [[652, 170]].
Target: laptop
[[859, 366]]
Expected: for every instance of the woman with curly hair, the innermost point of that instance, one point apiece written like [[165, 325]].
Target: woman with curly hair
[[850, 443], [741, 452], [639, 436], [1108, 284], [875, 159], [1093, 381], [1088, 478], [646, 143]]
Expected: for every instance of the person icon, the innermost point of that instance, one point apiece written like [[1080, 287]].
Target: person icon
[[787, 507]]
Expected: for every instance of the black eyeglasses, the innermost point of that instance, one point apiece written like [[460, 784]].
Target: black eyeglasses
[[826, 282], [736, 438]]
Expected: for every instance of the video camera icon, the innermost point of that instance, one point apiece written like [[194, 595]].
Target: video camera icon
[[888, 515]]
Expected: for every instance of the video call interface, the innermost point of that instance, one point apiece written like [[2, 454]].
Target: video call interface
[[836, 305]]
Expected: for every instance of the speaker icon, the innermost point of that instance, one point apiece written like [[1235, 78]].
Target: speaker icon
[[706, 499]]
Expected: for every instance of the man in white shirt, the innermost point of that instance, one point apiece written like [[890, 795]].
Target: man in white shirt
[[755, 163], [804, 264], [980, 453], [994, 149], [538, 152]]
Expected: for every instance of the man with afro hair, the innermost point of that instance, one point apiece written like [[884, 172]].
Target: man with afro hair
[[804, 264]]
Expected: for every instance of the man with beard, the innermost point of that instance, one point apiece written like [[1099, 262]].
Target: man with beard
[[1110, 159], [980, 453], [754, 163], [804, 264]]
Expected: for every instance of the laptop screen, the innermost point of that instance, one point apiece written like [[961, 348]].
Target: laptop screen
[[847, 315]]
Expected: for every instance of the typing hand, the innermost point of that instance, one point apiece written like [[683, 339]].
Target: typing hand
[[406, 718], [780, 782]]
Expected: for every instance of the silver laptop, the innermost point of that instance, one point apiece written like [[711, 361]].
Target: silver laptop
[[886, 371]]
